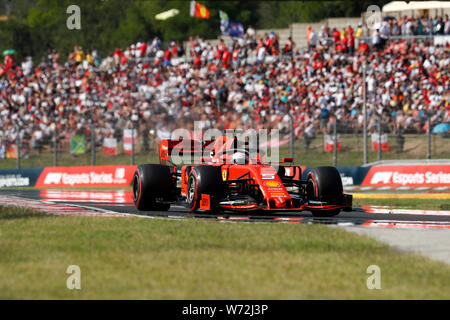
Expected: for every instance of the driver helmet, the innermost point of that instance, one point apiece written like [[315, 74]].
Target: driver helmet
[[239, 158]]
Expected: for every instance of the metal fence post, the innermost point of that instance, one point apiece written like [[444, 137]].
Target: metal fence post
[[55, 147], [291, 135], [365, 113], [132, 143], [18, 146], [2, 147], [428, 136], [335, 142], [92, 143], [379, 137]]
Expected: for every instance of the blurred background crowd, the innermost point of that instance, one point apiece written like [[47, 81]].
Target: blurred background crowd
[[254, 81]]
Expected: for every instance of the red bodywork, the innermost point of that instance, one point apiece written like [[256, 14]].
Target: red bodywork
[[214, 152]]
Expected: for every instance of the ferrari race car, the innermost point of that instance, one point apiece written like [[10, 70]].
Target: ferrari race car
[[230, 178]]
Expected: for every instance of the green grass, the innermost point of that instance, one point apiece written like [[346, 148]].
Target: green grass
[[423, 204], [351, 154], [132, 258]]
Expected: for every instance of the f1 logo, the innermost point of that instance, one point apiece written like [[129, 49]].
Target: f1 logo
[[53, 177], [381, 176]]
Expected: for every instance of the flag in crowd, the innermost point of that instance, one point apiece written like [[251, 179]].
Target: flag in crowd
[[11, 151], [376, 141], [223, 15], [198, 10], [129, 138], [2, 151], [110, 146], [329, 143], [77, 144], [229, 27]]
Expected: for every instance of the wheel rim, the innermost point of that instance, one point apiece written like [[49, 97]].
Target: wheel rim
[[310, 189], [191, 190], [135, 187]]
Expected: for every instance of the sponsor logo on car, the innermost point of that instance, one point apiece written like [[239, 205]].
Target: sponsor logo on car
[[278, 194], [267, 173], [272, 183], [224, 175]]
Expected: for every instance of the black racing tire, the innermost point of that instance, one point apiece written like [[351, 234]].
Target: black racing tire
[[152, 181], [325, 184], [203, 179]]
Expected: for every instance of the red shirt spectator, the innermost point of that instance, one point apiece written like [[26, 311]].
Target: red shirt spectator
[[174, 49], [363, 48], [143, 49], [351, 40], [235, 54], [167, 55], [268, 43], [197, 61], [226, 59], [336, 36]]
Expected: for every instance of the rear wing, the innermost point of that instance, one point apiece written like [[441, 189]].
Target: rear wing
[[182, 147]]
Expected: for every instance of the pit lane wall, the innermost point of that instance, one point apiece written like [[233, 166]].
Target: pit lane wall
[[412, 175]]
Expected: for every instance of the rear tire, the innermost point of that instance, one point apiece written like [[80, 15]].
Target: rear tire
[[325, 184], [151, 184], [203, 179]]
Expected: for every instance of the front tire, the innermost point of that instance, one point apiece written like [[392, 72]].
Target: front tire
[[151, 184], [203, 179], [325, 184]]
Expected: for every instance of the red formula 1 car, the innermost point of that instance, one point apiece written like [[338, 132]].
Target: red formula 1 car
[[229, 178]]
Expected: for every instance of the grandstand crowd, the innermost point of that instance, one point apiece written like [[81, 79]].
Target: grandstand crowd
[[254, 81]]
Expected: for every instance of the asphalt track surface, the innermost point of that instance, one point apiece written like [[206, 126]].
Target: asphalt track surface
[[120, 202]]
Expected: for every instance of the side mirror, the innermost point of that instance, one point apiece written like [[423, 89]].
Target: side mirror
[[286, 160]]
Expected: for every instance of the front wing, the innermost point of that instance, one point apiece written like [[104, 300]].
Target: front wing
[[243, 205]]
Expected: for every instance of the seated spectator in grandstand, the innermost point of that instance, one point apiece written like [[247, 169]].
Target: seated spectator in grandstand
[[336, 36], [446, 25], [323, 36], [308, 34], [261, 54], [351, 44], [251, 32], [312, 40], [438, 26], [289, 46], [376, 40], [384, 33]]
